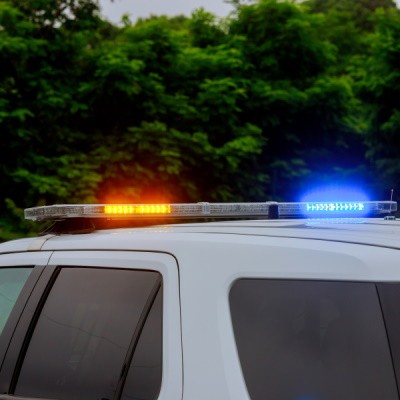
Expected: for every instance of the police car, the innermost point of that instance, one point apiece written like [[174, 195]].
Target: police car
[[280, 301]]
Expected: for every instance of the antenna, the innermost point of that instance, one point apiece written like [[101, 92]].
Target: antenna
[[391, 199], [390, 217]]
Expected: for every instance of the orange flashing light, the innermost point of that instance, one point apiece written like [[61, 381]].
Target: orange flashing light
[[137, 209]]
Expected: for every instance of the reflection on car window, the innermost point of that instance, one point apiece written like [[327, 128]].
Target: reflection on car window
[[12, 280], [83, 334], [311, 340]]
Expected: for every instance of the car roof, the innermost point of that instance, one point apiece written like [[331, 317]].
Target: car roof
[[372, 232]]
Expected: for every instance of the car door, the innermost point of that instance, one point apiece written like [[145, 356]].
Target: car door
[[102, 325]]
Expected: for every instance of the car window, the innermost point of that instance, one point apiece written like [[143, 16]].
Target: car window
[[12, 280], [311, 340], [144, 376], [84, 333], [389, 294]]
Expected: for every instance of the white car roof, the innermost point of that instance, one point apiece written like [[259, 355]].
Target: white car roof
[[372, 232]]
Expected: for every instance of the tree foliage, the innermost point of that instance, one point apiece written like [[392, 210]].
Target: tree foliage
[[276, 97], [380, 89], [361, 11]]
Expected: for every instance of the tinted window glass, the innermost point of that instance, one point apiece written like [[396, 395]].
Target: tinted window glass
[[390, 299], [12, 280], [83, 333], [311, 340], [144, 376]]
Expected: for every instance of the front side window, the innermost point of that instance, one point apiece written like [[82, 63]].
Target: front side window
[[12, 280], [301, 340], [83, 336]]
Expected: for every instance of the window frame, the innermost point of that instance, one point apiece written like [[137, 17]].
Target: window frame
[[11, 334], [164, 264]]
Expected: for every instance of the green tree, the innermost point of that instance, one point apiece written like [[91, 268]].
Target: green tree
[[252, 107], [89, 111], [205, 30], [50, 14], [346, 25], [361, 11], [381, 93], [304, 112], [39, 105]]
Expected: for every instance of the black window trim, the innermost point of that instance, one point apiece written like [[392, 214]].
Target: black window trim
[[10, 329], [39, 302]]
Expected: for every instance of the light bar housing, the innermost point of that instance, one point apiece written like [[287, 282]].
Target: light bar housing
[[145, 211], [272, 210]]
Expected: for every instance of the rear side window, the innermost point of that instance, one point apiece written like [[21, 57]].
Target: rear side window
[[390, 299], [311, 340], [12, 280], [90, 322]]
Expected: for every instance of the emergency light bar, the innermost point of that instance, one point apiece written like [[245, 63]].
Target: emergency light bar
[[272, 210]]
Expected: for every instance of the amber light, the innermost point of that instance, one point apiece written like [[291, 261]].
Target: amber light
[[134, 209]]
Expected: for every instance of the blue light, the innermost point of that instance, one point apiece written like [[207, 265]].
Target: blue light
[[342, 201], [353, 208]]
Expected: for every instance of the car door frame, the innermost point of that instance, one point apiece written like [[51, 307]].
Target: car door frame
[[164, 263]]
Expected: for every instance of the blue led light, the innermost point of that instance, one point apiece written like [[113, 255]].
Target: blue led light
[[336, 201], [335, 207]]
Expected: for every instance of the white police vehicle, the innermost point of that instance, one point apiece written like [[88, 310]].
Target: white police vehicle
[[271, 308]]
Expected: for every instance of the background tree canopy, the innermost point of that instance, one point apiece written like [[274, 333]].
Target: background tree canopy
[[277, 97]]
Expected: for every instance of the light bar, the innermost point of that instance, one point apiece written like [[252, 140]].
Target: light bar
[[271, 210]]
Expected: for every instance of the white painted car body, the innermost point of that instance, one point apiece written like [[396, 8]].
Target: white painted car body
[[200, 262]]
